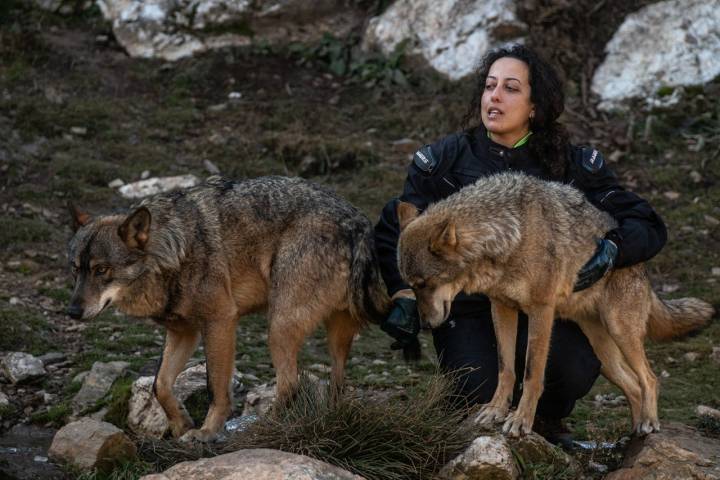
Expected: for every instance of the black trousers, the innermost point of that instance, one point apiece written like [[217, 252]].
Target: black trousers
[[466, 345]]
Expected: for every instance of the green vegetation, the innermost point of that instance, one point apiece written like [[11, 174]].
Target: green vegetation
[[23, 330]]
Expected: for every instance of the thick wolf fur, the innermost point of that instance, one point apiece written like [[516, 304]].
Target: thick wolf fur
[[521, 241], [196, 260]]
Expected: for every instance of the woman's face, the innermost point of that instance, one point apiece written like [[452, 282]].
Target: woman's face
[[505, 105]]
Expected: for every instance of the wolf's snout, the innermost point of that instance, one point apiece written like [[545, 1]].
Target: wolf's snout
[[75, 311]]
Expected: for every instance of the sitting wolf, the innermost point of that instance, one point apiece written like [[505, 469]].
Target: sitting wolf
[[521, 241], [196, 260]]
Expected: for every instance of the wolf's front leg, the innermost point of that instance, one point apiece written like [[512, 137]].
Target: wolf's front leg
[[505, 321], [540, 323], [179, 346], [219, 340]]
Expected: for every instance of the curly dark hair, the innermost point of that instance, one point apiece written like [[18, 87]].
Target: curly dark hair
[[549, 140]]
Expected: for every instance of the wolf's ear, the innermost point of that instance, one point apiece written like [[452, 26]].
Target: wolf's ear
[[78, 218], [135, 230], [406, 212], [446, 240]]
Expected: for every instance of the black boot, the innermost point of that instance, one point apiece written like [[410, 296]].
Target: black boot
[[554, 431]]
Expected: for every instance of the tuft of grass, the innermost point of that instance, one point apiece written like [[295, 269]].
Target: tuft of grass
[[124, 471], [23, 230], [118, 402], [23, 330], [56, 415], [402, 439]]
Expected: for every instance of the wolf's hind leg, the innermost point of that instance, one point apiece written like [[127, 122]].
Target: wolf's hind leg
[[179, 346], [630, 342], [505, 323], [614, 367], [341, 328]]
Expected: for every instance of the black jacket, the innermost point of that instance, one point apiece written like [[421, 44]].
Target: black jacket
[[440, 169]]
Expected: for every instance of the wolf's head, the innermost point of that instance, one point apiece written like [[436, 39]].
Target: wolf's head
[[106, 254], [431, 261]]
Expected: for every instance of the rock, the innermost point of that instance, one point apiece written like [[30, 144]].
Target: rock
[[256, 464], [22, 367], [487, 457], [671, 195], [704, 411], [663, 45], [80, 377], [211, 168], [89, 444], [715, 355], [691, 356], [81, 131], [715, 271], [676, 452], [51, 358], [155, 185], [695, 176], [4, 400], [97, 384], [450, 35], [534, 449], [711, 221], [259, 399], [146, 416], [118, 182], [173, 29]]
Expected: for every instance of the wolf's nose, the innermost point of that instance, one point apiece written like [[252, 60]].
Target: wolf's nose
[[75, 311]]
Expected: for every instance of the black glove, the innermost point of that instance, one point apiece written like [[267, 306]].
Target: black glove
[[596, 268], [403, 323]]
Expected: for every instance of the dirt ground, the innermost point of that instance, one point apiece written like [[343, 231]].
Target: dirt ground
[[77, 113]]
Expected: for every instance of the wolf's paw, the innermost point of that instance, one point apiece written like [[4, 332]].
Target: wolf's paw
[[181, 425], [198, 435], [517, 424], [491, 414], [647, 426]]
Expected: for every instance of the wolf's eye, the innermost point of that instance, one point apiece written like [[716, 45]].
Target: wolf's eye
[[420, 284], [101, 270]]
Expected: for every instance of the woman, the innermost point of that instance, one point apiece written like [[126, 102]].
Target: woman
[[518, 100]]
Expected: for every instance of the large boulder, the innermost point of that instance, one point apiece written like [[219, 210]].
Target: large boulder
[[661, 46], [97, 384], [22, 367], [451, 35], [676, 452], [172, 29], [146, 417], [89, 444], [258, 464]]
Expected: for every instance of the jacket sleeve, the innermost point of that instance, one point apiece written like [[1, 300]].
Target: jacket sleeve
[[641, 233], [420, 190]]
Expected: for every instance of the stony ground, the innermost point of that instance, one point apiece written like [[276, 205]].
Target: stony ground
[[77, 113]]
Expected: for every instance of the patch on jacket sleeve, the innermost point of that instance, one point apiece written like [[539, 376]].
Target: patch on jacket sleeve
[[592, 160], [425, 160]]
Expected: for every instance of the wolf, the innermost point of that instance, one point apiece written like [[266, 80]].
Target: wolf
[[521, 241], [197, 260]]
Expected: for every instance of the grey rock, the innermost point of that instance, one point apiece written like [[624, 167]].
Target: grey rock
[[450, 35], [672, 43], [155, 185], [52, 358], [146, 417], [259, 399], [89, 444], [4, 400], [256, 464], [676, 452], [22, 367], [97, 384], [487, 457], [704, 411]]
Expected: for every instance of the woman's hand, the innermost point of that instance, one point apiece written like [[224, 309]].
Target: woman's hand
[[599, 265]]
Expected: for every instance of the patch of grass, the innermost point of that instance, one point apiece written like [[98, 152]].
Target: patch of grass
[[24, 330], [56, 415], [403, 439], [118, 402], [124, 471], [61, 295], [15, 230]]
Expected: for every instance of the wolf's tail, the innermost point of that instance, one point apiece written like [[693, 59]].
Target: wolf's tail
[[676, 318], [369, 301]]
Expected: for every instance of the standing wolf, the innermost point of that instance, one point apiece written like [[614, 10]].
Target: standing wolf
[[522, 241], [196, 260]]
